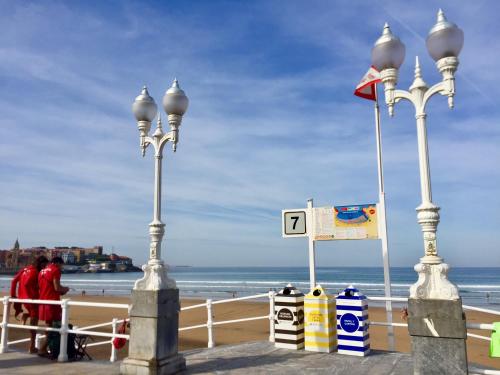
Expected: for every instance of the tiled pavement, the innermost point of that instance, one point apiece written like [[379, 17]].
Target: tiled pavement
[[249, 358]]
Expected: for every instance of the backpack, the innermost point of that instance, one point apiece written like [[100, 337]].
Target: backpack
[[54, 341]]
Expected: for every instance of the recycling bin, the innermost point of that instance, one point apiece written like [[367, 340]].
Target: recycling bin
[[495, 341], [320, 327], [289, 318], [352, 323]]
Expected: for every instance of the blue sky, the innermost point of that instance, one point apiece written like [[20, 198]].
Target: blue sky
[[272, 122]]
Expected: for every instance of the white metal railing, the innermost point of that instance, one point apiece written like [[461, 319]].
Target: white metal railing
[[211, 323], [484, 326], [480, 309], [387, 324], [210, 315], [480, 326], [64, 330], [66, 303], [114, 324], [393, 299], [469, 325], [476, 370]]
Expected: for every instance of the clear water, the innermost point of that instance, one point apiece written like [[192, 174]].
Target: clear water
[[212, 282]]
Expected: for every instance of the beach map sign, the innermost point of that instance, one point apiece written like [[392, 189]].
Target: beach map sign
[[353, 222]]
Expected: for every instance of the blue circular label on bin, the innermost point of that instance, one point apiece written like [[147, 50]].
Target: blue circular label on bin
[[349, 322]]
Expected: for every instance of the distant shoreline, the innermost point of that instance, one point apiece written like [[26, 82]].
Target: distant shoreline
[[478, 287], [12, 273], [171, 267]]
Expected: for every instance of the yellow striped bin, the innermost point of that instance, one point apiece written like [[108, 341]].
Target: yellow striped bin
[[289, 318], [320, 325]]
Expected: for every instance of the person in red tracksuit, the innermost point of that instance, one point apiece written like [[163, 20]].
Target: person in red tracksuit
[[25, 286], [49, 282]]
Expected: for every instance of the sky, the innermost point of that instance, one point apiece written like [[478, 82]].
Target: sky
[[272, 121]]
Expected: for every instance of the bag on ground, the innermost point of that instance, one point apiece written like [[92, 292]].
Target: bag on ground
[[119, 343], [54, 342]]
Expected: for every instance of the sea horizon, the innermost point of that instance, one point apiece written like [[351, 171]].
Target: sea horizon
[[478, 286]]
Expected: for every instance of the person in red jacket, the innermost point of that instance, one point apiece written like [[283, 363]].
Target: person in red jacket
[[49, 282], [25, 285]]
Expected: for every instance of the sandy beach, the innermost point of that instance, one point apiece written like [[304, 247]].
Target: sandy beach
[[249, 331]]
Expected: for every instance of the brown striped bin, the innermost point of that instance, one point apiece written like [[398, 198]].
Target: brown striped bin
[[289, 318]]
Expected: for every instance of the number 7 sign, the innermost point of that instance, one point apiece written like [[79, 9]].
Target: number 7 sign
[[299, 222], [294, 223]]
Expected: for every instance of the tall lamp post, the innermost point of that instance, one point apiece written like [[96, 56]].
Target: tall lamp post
[[154, 316], [436, 321]]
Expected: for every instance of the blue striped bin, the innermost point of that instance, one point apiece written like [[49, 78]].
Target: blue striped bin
[[352, 323]]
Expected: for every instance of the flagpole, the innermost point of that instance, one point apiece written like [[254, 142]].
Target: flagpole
[[312, 248], [383, 227]]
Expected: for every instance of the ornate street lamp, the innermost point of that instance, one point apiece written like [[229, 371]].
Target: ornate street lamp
[[436, 321], [155, 308], [175, 103], [444, 42]]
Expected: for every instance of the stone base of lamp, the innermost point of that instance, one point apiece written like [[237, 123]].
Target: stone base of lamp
[[154, 327], [433, 280], [438, 334], [155, 277], [172, 365]]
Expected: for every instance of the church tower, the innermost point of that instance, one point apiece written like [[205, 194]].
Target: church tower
[[14, 257]]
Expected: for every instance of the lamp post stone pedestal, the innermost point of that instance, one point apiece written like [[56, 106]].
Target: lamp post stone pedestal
[[154, 324], [154, 316], [438, 333], [436, 321]]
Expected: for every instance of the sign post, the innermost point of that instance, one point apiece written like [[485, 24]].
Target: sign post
[[312, 249], [383, 231]]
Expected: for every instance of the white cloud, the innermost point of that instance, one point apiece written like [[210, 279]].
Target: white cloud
[[259, 136]]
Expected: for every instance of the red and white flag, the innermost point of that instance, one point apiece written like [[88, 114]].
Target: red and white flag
[[367, 88]]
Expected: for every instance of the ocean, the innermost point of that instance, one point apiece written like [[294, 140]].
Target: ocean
[[478, 286]]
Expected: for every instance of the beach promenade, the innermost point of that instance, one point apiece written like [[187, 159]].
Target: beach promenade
[[249, 358]]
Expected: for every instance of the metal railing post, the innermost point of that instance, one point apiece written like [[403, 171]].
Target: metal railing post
[[38, 341], [113, 349], [63, 345], [271, 316], [5, 326], [210, 323]]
